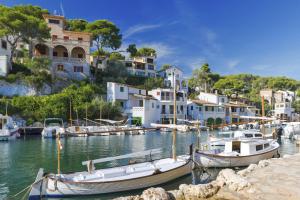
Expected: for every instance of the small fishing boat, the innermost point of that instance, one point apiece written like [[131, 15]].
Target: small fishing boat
[[238, 153], [8, 128], [116, 179], [53, 127]]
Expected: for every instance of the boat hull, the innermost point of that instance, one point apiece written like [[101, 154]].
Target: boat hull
[[96, 188], [212, 160]]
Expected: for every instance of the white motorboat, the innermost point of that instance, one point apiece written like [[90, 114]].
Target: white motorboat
[[117, 179], [53, 127], [178, 127], [8, 128], [291, 129], [230, 135], [238, 153]]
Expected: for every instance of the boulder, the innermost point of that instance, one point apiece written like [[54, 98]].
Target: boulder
[[198, 191], [234, 181], [155, 194]]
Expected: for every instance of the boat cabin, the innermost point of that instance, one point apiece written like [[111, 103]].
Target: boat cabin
[[6, 122], [241, 134], [53, 122], [247, 147]]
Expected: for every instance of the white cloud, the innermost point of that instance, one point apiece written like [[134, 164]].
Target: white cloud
[[233, 63], [209, 41], [196, 63], [139, 28], [162, 50]]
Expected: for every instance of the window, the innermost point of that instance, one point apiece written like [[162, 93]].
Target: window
[[141, 103], [157, 93], [258, 135], [54, 37], [152, 105], [80, 39], [140, 92], [150, 60], [248, 135], [78, 69], [222, 100], [3, 44], [171, 108], [80, 55], [128, 64], [266, 145], [199, 108], [259, 147], [60, 68], [206, 108], [192, 108], [66, 38], [157, 106], [54, 53], [121, 89], [53, 21], [163, 109], [122, 104], [65, 54], [151, 67]]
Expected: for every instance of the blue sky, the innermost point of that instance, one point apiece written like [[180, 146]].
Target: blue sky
[[234, 36]]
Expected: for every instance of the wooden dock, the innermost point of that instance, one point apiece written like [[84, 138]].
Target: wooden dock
[[115, 132]]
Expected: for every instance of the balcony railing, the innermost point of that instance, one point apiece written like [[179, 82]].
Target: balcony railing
[[68, 59], [70, 42]]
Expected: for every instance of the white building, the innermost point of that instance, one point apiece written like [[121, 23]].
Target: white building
[[69, 51], [282, 96], [181, 82], [134, 103], [213, 98], [284, 110], [166, 98], [203, 110], [144, 66], [5, 64]]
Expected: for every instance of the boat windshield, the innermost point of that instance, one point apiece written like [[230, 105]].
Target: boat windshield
[[53, 122]]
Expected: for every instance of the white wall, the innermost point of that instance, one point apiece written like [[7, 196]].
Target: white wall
[[213, 98]]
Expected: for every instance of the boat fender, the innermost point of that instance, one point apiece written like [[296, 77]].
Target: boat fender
[[191, 149], [157, 171], [90, 166]]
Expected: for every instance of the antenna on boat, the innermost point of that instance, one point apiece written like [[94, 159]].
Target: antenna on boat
[[174, 120], [70, 112]]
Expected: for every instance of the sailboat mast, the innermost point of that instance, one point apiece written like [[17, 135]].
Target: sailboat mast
[[70, 112], [86, 113], [263, 113], [58, 153], [6, 108], [174, 114]]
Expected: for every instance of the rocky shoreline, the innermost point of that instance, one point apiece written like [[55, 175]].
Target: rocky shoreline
[[276, 178]]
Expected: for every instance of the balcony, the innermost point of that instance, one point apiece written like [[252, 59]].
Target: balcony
[[59, 41], [69, 60]]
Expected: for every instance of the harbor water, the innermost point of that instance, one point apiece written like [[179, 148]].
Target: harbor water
[[21, 159]]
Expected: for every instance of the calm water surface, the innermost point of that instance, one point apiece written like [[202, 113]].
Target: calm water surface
[[21, 159]]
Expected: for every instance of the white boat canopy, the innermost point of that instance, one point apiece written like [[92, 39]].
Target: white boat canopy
[[259, 118]]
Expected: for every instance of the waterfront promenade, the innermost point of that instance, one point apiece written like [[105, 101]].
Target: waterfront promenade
[[273, 179]]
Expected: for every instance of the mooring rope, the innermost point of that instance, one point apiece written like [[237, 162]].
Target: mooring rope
[[28, 187]]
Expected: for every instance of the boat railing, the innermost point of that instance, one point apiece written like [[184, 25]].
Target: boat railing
[[90, 163]]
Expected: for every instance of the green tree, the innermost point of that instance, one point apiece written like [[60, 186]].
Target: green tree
[[203, 79], [132, 50], [146, 51], [152, 83], [165, 66], [23, 23], [116, 56], [105, 34], [296, 106], [229, 85], [76, 25]]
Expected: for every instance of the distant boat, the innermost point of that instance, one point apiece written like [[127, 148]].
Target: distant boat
[[238, 153], [178, 127], [116, 179], [8, 128], [53, 127]]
